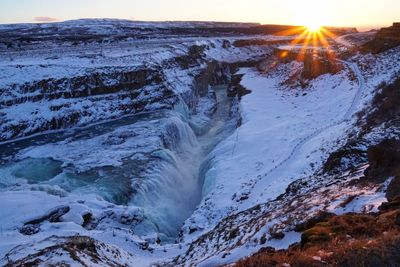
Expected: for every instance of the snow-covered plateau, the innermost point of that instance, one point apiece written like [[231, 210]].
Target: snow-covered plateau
[[181, 144]]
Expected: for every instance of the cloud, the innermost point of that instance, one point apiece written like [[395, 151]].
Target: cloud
[[45, 19]]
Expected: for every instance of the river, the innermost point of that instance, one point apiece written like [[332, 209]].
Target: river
[[154, 161]]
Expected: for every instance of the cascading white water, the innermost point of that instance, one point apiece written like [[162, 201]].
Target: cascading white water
[[173, 188], [156, 163], [170, 191]]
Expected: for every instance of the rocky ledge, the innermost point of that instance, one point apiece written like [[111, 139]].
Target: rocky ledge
[[384, 40]]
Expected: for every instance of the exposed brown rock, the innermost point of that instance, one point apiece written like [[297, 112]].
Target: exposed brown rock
[[384, 160], [317, 61], [315, 66], [235, 88], [341, 240], [385, 39], [258, 42]]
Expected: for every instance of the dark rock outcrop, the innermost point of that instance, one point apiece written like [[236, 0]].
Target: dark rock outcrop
[[195, 54], [33, 226], [315, 66], [317, 61], [351, 239], [78, 250], [320, 217], [83, 86], [385, 39], [384, 160], [53, 215], [258, 42], [347, 157], [235, 88], [381, 153]]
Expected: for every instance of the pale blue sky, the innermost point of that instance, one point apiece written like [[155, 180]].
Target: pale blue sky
[[327, 12]]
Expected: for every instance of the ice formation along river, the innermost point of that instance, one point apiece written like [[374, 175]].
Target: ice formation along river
[[154, 162]]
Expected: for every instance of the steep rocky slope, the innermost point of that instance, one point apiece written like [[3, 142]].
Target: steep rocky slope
[[385, 38], [323, 186], [355, 239], [370, 159]]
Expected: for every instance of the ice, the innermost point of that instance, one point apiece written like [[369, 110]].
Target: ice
[[180, 163], [154, 164]]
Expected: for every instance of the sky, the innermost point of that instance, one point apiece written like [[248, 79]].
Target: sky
[[359, 13]]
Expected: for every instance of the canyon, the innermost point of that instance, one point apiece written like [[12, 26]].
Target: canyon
[[189, 143]]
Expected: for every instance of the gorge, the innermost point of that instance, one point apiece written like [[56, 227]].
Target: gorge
[[185, 144]]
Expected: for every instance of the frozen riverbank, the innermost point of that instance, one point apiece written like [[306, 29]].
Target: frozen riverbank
[[151, 163]]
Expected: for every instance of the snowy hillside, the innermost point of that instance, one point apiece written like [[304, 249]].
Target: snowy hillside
[[104, 24], [185, 148]]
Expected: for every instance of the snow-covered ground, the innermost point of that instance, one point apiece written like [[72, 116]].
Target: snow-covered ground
[[280, 140], [295, 131], [355, 39], [131, 180], [41, 87], [124, 172], [114, 26]]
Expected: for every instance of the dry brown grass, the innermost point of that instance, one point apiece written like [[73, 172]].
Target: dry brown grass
[[345, 240], [379, 251]]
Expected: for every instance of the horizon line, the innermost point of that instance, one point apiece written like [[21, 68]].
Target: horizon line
[[361, 26]]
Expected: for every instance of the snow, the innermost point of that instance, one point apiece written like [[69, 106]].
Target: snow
[[113, 26], [275, 121], [343, 40], [277, 124], [30, 205], [22, 69], [285, 136], [246, 250], [104, 150], [364, 200], [355, 39]]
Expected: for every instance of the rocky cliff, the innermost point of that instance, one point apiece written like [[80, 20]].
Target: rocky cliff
[[385, 39]]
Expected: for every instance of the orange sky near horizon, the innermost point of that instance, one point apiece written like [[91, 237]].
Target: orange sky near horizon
[[358, 13]]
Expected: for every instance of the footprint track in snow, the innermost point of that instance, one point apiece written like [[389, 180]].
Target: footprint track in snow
[[347, 117]]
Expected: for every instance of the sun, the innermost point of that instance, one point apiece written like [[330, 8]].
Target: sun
[[313, 27]]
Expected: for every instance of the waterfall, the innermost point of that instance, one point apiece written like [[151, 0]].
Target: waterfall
[[156, 162], [171, 190], [174, 182]]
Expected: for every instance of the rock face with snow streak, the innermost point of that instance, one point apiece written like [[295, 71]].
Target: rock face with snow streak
[[61, 94], [77, 101], [91, 82]]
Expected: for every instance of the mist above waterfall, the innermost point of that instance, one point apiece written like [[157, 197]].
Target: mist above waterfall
[[156, 163]]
